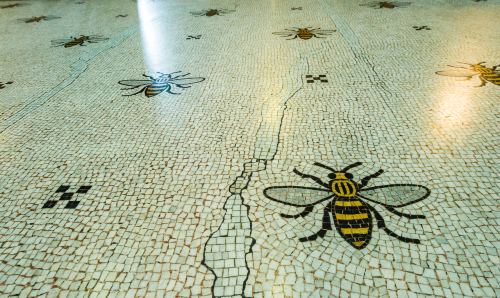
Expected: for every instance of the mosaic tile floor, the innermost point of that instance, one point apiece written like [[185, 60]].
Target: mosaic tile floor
[[225, 148]]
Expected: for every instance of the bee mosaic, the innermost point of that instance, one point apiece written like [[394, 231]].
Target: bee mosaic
[[12, 5], [386, 4], [212, 12], [78, 41], [349, 203], [304, 33], [162, 83], [2, 85], [485, 74], [38, 19]]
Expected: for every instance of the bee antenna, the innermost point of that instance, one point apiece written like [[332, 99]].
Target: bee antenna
[[324, 166], [351, 166]]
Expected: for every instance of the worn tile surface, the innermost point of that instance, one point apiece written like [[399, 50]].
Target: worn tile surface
[[162, 148]]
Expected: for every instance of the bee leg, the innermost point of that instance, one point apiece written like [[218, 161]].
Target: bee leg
[[483, 82], [179, 76], [182, 86], [315, 179], [365, 180], [381, 225], [327, 225], [140, 91], [149, 77], [410, 216], [304, 213], [130, 88], [169, 91]]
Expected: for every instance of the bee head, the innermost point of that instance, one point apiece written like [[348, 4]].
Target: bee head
[[340, 176]]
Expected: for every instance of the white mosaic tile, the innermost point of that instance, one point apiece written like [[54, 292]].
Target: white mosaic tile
[[158, 148]]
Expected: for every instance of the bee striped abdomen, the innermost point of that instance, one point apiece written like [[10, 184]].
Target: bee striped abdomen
[[353, 221], [492, 78], [72, 43], [156, 88], [488, 74], [305, 34]]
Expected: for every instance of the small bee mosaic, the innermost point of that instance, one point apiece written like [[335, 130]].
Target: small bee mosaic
[[304, 33], [212, 12], [2, 85], [418, 28], [386, 4], [161, 83], [485, 74], [78, 41], [12, 5], [349, 203], [193, 37], [38, 19]]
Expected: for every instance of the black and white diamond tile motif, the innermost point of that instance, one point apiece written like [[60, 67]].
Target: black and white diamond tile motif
[[319, 78], [68, 196]]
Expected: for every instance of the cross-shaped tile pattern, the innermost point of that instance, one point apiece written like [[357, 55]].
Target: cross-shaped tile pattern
[[67, 196], [312, 79]]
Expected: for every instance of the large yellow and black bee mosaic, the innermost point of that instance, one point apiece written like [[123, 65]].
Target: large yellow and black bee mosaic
[[386, 4], [304, 33], [161, 83], [38, 19], [78, 41], [349, 203], [211, 12], [485, 74]]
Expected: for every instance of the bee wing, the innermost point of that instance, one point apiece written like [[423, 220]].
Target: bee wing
[[186, 81], [134, 83], [63, 40], [52, 17], [285, 34], [97, 38], [324, 31], [297, 195], [457, 73], [60, 42], [401, 4], [370, 4], [395, 195]]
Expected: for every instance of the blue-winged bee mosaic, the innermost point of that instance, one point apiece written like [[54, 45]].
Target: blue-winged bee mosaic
[[485, 74], [163, 82], [212, 12], [386, 4], [38, 19], [304, 33], [77, 41], [349, 203]]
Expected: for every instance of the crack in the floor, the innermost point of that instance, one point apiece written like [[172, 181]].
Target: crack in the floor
[[78, 68], [357, 49], [232, 219]]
